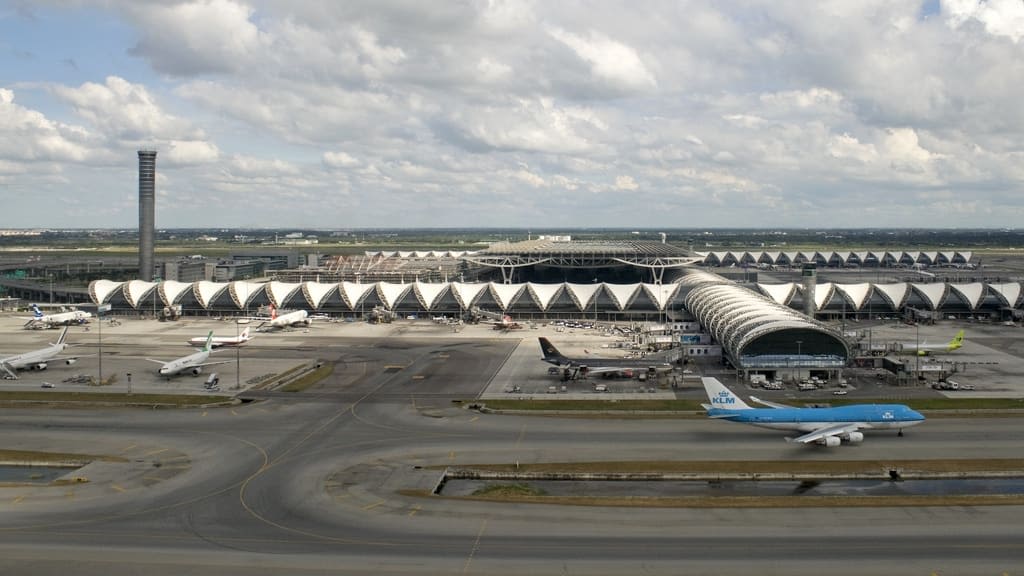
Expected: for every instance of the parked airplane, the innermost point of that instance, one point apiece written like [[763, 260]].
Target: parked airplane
[[826, 426], [506, 323], [584, 366], [297, 318], [37, 359], [223, 340], [58, 319], [925, 349], [193, 363]]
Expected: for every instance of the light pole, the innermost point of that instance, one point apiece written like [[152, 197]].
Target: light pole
[[798, 355], [238, 361]]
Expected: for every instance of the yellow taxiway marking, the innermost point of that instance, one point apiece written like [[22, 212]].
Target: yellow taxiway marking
[[128, 448], [116, 487], [474, 418], [339, 497], [153, 478], [418, 377], [154, 452], [414, 510], [451, 455], [522, 432], [204, 413], [69, 494], [442, 356], [18, 499], [233, 413], [374, 505], [394, 367]]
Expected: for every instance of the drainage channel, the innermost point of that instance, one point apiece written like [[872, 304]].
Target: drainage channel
[[732, 488]]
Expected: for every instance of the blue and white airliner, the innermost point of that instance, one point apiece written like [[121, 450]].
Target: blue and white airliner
[[826, 426]]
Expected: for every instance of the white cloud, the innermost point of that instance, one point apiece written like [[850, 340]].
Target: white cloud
[[196, 37], [188, 152], [625, 183], [999, 17], [122, 110], [28, 135], [609, 59], [339, 159]]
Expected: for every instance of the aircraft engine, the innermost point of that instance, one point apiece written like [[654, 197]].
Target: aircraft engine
[[307, 321], [40, 366], [855, 437], [196, 371], [831, 441], [71, 361]]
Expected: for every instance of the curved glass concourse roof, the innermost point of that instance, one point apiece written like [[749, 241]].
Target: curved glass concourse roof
[[757, 332]]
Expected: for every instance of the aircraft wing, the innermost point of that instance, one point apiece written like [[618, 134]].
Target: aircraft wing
[[607, 369], [211, 363], [833, 430], [9, 370], [156, 361], [767, 403]]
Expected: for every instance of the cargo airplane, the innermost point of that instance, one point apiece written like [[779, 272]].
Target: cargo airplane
[[825, 426], [37, 359], [192, 363], [584, 366]]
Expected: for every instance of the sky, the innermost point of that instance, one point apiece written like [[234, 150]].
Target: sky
[[514, 113]]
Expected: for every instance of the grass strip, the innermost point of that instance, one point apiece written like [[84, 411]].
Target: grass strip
[[35, 456], [308, 380], [16, 397]]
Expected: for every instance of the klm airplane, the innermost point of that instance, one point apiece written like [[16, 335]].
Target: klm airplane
[[826, 426]]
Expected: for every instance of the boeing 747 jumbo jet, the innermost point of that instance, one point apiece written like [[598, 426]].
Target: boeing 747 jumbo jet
[[825, 426], [192, 363], [218, 341], [925, 349], [37, 359], [39, 319], [599, 365]]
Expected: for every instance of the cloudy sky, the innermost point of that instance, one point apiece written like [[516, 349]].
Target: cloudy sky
[[513, 113]]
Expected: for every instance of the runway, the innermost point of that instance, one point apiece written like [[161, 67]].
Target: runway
[[318, 482]]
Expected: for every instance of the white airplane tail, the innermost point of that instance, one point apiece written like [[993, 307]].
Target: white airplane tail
[[722, 397], [244, 335], [36, 311]]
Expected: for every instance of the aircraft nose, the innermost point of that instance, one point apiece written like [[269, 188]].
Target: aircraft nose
[[917, 415]]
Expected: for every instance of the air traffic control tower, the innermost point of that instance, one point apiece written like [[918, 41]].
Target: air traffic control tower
[[147, 209]]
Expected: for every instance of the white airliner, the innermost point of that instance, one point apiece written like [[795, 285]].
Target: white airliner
[[37, 359], [193, 363], [58, 319], [825, 426], [925, 349], [297, 318], [223, 340]]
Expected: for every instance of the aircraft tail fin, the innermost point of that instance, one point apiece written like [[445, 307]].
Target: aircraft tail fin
[[551, 354], [722, 397], [244, 335], [209, 342], [957, 341], [63, 337], [36, 311], [273, 312]]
